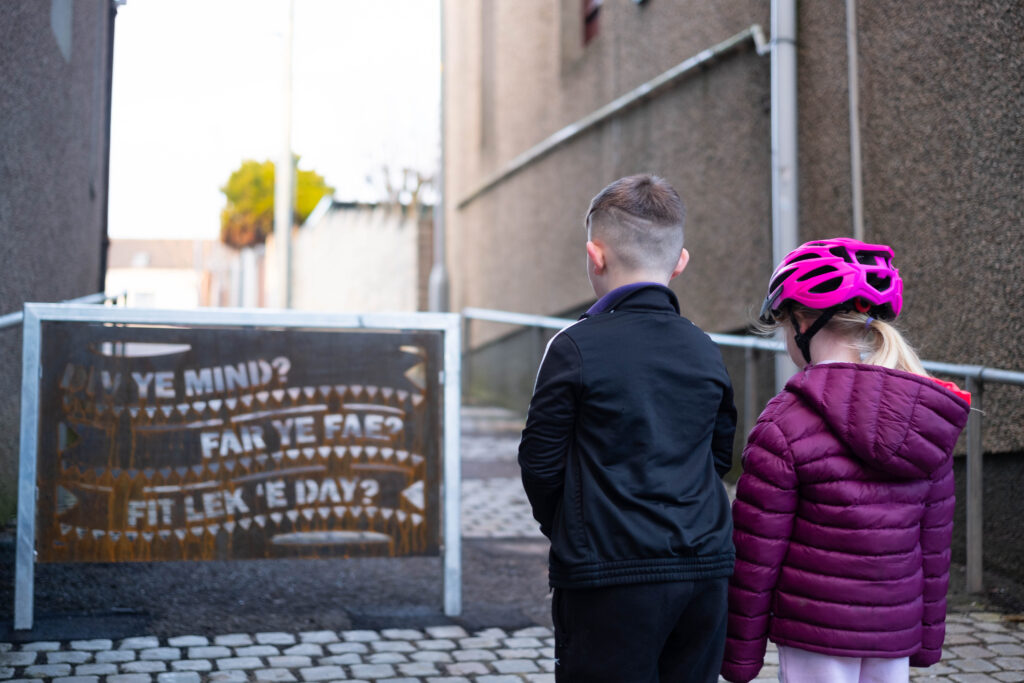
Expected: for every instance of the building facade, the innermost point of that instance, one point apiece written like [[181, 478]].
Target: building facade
[[173, 273], [940, 140], [941, 144], [55, 79], [350, 256]]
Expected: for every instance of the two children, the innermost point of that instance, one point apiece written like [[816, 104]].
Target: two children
[[843, 513], [629, 431]]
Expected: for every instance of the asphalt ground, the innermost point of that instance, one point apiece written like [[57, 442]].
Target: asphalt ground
[[504, 577], [327, 602]]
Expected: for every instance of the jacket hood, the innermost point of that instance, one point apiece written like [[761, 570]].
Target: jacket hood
[[894, 421]]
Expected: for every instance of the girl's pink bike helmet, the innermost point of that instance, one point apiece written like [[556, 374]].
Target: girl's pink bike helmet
[[840, 273]]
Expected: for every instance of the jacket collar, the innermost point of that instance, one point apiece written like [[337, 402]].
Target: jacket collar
[[635, 296]]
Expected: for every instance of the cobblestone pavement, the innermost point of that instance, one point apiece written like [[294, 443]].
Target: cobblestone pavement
[[981, 647]]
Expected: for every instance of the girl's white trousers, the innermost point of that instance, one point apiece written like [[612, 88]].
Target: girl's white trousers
[[801, 666]]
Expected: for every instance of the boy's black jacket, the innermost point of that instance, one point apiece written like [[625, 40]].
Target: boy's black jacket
[[630, 429]]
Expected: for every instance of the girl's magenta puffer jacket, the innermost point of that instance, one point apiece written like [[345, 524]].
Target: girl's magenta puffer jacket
[[843, 518]]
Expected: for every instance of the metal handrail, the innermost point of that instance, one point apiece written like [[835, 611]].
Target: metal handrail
[[975, 376], [16, 318]]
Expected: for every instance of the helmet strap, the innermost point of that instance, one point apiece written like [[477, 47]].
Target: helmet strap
[[803, 339]]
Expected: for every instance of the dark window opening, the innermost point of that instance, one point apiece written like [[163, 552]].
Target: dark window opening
[[591, 16]]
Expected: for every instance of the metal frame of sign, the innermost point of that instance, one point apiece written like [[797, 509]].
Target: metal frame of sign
[[35, 314]]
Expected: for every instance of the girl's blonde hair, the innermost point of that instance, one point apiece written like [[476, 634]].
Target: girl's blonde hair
[[879, 342]]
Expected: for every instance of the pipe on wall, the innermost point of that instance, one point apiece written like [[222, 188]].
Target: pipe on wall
[[853, 84], [785, 191], [108, 78]]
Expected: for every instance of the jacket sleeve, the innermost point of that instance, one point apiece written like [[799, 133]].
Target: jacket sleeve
[[725, 432], [763, 513], [548, 434], [936, 536]]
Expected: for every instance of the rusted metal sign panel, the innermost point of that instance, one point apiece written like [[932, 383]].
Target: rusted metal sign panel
[[163, 442]]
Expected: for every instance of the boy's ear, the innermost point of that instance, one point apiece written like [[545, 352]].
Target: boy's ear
[[684, 258], [595, 252]]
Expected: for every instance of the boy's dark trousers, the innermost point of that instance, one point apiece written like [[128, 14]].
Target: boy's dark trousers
[[670, 632]]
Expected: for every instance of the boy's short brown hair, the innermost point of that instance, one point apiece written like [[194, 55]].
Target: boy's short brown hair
[[640, 217]]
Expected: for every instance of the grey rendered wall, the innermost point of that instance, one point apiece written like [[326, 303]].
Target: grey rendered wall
[[941, 98], [520, 246], [54, 105], [941, 94]]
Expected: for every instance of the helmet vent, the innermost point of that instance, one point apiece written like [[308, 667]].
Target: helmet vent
[[830, 285], [842, 253], [823, 270], [872, 258], [777, 282], [879, 282], [803, 257]]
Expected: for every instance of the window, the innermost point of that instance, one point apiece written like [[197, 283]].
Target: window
[[591, 15]]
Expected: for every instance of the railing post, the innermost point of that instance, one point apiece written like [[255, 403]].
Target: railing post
[[538, 343], [466, 360], [975, 489], [749, 389]]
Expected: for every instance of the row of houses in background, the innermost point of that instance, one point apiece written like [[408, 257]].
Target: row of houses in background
[[345, 257]]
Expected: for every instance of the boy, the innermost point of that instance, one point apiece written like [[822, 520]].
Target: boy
[[629, 431]]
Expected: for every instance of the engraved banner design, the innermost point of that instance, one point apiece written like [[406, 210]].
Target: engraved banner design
[[181, 443]]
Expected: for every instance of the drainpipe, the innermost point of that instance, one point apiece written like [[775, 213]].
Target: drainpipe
[[105, 193], [785, 197], [853, 84], [437, 286]]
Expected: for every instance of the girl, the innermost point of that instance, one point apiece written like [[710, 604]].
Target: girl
[[844, 510]]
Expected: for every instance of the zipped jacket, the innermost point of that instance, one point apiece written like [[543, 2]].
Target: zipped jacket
[[843, 518], [629, 431]]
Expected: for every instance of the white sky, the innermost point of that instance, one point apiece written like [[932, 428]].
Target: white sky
[[198, 88]]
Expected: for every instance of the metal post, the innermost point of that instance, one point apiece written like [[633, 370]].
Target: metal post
[[452, 469], [467, 362], [538, 343], [284, 198], [749, 389], [975, 489], [25, 553], [437, 286]]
